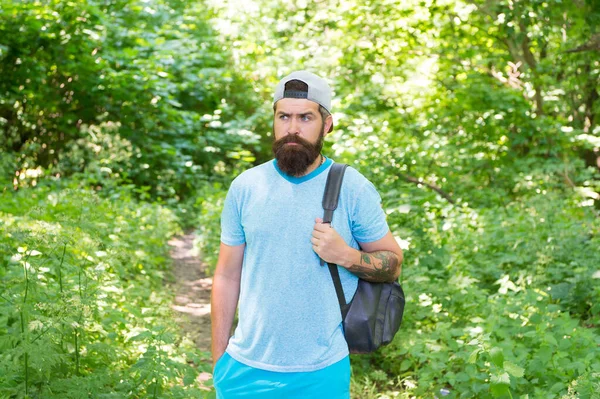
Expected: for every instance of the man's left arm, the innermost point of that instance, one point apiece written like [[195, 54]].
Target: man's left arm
[[378, 261]]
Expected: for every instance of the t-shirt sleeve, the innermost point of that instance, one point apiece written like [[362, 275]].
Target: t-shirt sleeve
[[368, 221], [232, 232]]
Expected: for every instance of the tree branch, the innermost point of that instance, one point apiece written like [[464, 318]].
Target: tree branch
[[592, 45], [435, 188], [530, 60]]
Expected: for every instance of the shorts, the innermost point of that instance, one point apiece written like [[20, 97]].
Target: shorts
[[233, 380]]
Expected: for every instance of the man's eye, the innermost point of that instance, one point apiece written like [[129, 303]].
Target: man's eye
[[305, 118], [283, 117]]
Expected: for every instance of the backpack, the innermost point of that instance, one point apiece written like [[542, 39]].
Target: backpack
[[374, 315]]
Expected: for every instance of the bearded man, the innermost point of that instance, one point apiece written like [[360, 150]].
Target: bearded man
[[289, 341]]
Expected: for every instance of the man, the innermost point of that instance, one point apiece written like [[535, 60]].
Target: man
[[289, 341]]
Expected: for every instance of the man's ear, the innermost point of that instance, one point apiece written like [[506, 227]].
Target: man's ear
[[328, 124]]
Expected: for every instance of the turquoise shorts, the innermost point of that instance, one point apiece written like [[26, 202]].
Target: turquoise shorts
[[233, 379]]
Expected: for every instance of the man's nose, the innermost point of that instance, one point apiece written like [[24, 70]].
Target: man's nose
[[294, 126]]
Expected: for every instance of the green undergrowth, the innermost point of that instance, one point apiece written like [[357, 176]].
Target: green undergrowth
[[83, 310], [501, 303], [207, 221]]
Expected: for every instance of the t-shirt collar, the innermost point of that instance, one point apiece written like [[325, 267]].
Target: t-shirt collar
[[301, 179]]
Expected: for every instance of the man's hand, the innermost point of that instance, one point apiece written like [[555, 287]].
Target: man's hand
[[380, 261], [329, 245]]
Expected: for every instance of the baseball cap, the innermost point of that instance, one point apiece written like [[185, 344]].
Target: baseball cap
[[318, 89]]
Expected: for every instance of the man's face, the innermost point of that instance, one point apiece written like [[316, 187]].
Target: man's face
[[298, 131]]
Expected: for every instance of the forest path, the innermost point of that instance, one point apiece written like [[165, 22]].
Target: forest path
[[192, 292]]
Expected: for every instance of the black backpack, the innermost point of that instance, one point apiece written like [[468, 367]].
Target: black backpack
[[374, 315]]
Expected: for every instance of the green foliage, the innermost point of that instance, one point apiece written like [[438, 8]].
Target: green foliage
[[83, 310], [477, 121], [210, 206], [499, 303], [154, 72]]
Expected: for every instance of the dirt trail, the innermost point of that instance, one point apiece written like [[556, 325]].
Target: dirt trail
[[192, 287]]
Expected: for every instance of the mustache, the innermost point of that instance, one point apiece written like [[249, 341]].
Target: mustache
[[292, 138]]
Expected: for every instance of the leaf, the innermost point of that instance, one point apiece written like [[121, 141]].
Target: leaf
[[174, 103], [560, 291], [513, 369], [499, 390], [141, 336], [551, 340], [405, 365], [379, 375], [499, 385], [497, 356], [503, 378], [557, 387], [462, 377], [473, 356], [189, 377]]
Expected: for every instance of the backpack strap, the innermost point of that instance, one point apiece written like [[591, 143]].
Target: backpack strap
[[339, 291], [332, 190], [330, 203]]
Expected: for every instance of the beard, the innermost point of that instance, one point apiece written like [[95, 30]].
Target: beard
[[294, 160]]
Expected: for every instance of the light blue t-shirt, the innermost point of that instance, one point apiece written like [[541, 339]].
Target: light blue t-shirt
[[289, 315]]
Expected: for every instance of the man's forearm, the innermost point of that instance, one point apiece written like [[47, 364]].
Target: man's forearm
[[224, 299], [378, 266]]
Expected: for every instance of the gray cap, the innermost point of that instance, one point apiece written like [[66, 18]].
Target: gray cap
[[318, 89]]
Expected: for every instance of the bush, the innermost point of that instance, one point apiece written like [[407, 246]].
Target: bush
[[209, 207], [83, 310], [498, 303]]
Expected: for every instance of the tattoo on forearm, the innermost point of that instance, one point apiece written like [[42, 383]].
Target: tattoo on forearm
[[365, 259], [377, 266]]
